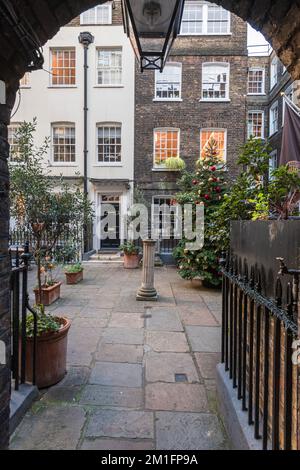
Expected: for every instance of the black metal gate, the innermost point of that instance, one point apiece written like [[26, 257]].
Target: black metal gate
[[20, 259], [258, 336]]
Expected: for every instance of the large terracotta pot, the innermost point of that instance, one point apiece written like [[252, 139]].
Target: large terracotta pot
[[49, 294], [131, 261], [51, 356], [74, 278]]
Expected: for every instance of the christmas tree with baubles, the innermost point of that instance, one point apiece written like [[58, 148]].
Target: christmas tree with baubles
[[207, 186]]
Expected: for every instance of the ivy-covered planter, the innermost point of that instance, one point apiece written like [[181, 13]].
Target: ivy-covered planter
[[49, 294]]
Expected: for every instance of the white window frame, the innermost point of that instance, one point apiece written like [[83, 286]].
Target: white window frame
[[26, 77], [288, 91], [107, 5], [205, 6], [215, 129], [256, 111], [225, 65], [161, 167], [62, 124], [109, 85], [271, 129], [51, 75], [111, 163], [273, 156], [16, 126], [273, 72], [263, 86], [154, 214], [158, 74]]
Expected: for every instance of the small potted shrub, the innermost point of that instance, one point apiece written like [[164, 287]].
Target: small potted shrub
[[74, 273], [49, 290], [175, 163], [51, 350], [131, 255]]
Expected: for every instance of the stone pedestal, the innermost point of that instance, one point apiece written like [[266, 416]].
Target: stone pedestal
[[147, 290]]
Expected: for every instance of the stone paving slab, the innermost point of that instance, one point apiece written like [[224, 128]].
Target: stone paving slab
[[176, 397], [198, 317], [204, 338], [188, 431], [207, 363], [116, 374], [117, 444], [127, 424], [123, 336], [126, 320], [122, 397], [119, 353], [163, 319], [162, 367], [165, 341], [50, 428]]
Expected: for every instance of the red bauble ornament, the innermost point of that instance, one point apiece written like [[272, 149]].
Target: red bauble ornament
[[207, 197], [218, 189], [213, 168], [195, 182]]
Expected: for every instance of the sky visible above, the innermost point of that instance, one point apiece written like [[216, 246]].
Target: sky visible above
[[256, 42]]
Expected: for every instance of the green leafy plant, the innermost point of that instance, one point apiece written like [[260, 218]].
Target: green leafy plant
[[46, 323], [175, 163], [129, 248], [284, 192], [73, 268]]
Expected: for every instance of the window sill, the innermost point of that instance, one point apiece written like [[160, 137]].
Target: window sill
[[227, 100], [59, 87], [257, 94], [109, 165], [166, 100], [205, 34], [24, 87], [66, 165], [109, 86], [164, 169]]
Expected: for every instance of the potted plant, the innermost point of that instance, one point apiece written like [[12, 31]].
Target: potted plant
[[175, 163], [131, 255], [51, 213], [74, 273], [50, 286]]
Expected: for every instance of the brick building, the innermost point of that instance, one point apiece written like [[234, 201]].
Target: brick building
[[201, 93]]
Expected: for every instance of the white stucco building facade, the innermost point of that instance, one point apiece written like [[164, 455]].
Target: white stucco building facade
[[55, 97]]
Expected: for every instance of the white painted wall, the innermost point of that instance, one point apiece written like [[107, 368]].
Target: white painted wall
[[106, 104]]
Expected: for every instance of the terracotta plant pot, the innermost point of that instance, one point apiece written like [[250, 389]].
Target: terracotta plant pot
[[49, 294], [131, 261], [51, 356], [74, 278]]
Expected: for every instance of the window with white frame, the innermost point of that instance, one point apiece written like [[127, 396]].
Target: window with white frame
[[215, 81], [256, 124], [272, 163], [101, 14], [25, 81], [168, 83], [13, 140], [63, 67], [289, 93], [217, 135], [63, 143], [274, 118], [256, 81], [166, 145], [165, 218], [201, 17], [274, 72], [109, 67], [109, 143]]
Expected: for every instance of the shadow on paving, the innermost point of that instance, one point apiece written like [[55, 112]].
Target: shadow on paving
[[140, 375]]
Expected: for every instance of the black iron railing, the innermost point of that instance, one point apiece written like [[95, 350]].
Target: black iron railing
[[19, 308], [257, 339]]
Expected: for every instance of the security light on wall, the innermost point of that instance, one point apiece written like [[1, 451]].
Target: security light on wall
[[152, 26]]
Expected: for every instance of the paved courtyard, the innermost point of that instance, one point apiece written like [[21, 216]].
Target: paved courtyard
[[140, 375]]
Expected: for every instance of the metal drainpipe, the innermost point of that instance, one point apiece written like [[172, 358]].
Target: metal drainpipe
[[85, 39]]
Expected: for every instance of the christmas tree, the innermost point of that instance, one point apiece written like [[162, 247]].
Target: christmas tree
[[207, 186]]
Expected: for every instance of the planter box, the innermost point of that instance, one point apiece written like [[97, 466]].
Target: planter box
[[131, 261], [49, 294], [51, 356], [74, 278]]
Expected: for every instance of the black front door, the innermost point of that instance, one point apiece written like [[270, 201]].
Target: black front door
[[111, 234]]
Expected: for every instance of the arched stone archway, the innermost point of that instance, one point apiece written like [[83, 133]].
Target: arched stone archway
[[278, 20]]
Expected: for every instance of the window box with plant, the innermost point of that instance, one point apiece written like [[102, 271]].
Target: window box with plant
[[49, 211], [131, 255]]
